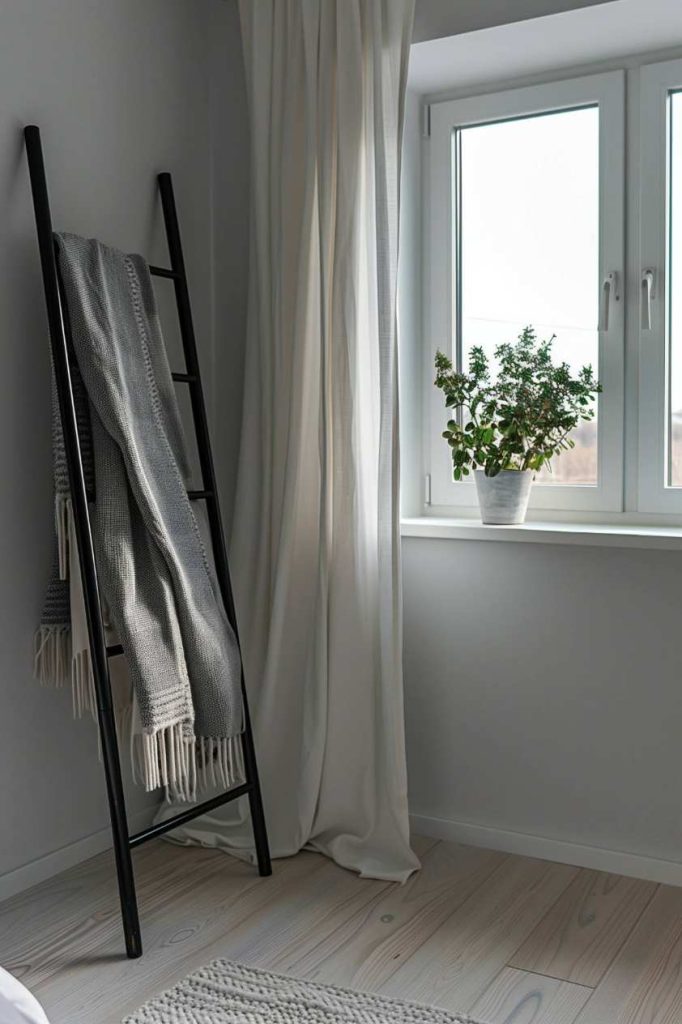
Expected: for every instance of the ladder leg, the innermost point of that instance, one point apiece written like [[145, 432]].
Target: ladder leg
[[260, 832], [119, 825], [58, 327]]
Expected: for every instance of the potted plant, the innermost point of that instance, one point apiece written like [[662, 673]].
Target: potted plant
[[508, 426]]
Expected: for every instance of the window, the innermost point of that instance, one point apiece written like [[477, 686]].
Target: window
[[528, 210], [526, 227], [526, 192], [659, 307], [674, 276]]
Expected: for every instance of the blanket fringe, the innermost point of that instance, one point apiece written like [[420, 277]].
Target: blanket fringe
[[52, 655], [184, 766], [56, 664], [83, 685]]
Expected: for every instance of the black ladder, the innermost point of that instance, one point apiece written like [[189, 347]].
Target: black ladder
[[57, 315]]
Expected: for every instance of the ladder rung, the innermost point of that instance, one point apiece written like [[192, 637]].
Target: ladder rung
[[163, 272], [114, 649], [194, 812]]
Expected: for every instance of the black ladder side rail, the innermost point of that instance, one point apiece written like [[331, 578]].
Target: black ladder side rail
[[58, 323], [177, 262], [86, 554]]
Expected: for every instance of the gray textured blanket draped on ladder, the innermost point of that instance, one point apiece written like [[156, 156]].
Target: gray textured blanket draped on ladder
[[159, 588]]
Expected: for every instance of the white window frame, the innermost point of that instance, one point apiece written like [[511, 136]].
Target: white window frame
[[608, 92], [656, 83]]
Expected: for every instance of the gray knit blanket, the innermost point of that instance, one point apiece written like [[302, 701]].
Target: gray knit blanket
[[159, 588]]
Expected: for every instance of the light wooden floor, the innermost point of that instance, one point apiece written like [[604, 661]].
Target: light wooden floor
[[507, 939]]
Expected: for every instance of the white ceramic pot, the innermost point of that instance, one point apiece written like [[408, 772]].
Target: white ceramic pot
[[503, 499]]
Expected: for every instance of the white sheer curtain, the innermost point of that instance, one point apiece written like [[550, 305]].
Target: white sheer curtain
[[315, 548]]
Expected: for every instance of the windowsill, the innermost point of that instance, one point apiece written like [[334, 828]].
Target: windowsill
[[621, 535]]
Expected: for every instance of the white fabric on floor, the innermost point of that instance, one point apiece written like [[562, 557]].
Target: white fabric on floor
[[315, 548], [17, 1005]]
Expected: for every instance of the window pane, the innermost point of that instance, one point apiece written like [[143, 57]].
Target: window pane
[[528, 233], [675, 305]]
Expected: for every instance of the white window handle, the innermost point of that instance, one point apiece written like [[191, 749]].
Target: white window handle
[[648, 295], [609, 290]]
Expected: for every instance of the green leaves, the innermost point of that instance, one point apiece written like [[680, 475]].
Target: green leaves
[[523, 417]]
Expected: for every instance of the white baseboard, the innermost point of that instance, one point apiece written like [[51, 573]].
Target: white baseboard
[[615, 861], [35, 871]]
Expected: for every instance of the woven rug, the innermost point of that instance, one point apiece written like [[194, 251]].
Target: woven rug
[[229, 993]]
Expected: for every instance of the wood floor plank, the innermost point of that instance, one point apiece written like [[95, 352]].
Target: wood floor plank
[[519, 997], [422, 844], [87, 968], [644, 983], [189, 899], [365, 950], [246, 919], [579, 936], [457, 963], [81, 907], [445, 937]]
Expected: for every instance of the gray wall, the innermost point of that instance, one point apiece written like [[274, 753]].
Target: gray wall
[[434, 19], [544, 691], [230, 162], [121, 90]]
